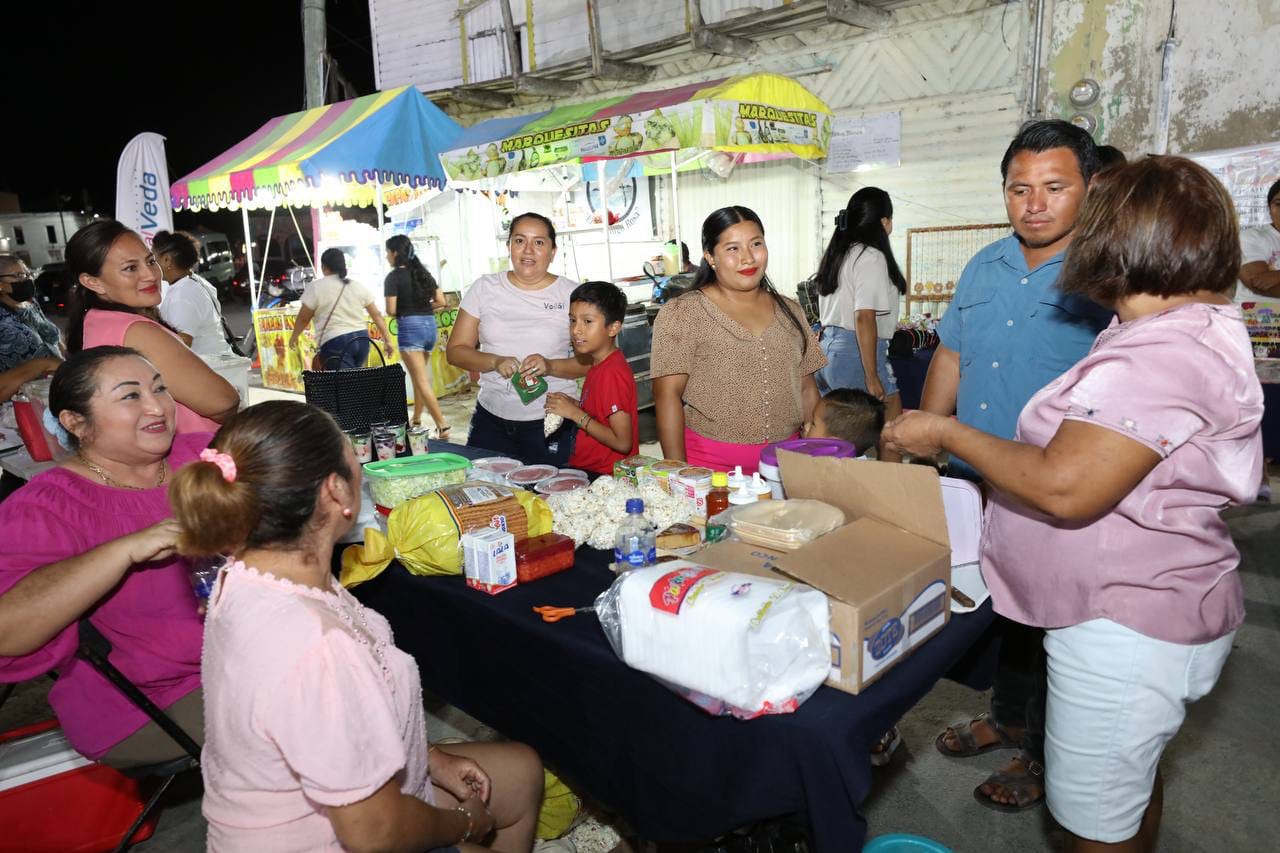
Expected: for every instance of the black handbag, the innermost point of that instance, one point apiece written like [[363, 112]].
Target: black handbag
[[357, 398]]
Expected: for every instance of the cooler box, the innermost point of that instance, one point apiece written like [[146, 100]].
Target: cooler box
[[54, 800], [235, 370]]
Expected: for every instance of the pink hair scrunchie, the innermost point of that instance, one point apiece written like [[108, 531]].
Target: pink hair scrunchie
[[225, 463]]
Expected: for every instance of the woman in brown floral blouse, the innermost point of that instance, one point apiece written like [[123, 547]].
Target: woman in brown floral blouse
[[733, 360]]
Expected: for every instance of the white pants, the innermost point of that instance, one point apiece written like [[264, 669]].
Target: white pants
[[1116, 697]]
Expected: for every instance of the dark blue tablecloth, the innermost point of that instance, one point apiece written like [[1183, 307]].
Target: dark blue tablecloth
[[672, 771]]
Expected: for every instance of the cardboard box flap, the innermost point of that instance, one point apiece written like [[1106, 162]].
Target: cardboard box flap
[[907, 497], [962, 502], [860, 560]]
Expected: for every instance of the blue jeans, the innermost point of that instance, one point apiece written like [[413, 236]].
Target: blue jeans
[[416, 333], [345, 352], [521, 440], [844, 363]]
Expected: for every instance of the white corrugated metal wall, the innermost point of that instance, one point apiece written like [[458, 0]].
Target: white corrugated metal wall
[[956, 82], [951, 67], [415, 42], [782, 192]]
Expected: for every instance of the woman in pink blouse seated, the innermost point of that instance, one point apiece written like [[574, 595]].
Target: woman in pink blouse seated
[[1104, 527], [115, 299], [93, 537], [316, 738]]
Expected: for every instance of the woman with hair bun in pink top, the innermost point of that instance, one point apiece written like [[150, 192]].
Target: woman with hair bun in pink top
[[316, 738]]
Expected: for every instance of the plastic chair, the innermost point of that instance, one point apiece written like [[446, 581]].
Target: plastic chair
[[94, 649], [899, 842]]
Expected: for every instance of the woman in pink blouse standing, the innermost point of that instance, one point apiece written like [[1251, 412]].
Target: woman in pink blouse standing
[[315, 737], [115, 302], [1104, 527]]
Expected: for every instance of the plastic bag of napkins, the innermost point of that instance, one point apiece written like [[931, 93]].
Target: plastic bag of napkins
[[732, 643]]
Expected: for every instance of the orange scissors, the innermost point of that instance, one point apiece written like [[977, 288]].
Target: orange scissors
[[555, 614]]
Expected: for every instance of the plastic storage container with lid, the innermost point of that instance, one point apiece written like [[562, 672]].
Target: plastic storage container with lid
[[629, 469], [560, 484], [661, 472], [394, 481], [832, 447], [692, 483], [528, 476], [539, 556], [497, 464], [784, 524], [493, 469]]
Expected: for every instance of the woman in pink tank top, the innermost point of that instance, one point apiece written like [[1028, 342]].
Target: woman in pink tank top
[[116, 293]]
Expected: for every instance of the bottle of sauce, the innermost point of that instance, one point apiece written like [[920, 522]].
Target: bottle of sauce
[[718, 497], [760, 488]]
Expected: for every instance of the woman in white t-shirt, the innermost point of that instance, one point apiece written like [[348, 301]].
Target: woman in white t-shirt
[[859, 285], [1260, 255], [190, 304], [340, 306], [518, 322]]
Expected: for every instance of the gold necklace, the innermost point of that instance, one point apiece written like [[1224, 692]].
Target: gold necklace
[[164, 470]]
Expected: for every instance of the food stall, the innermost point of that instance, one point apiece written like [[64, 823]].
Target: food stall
[[662, 132], [590, 159], [347, 154]]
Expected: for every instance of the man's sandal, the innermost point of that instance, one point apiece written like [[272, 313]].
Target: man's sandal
[[969, 747], [1027, 787]]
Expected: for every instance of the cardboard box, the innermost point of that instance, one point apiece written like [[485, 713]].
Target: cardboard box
[[887, 572], [489, 560]]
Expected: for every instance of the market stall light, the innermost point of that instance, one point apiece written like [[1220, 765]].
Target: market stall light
[[1085, 122], [1085, 92]]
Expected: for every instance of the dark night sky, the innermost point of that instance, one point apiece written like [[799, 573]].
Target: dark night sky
[[81, 80]]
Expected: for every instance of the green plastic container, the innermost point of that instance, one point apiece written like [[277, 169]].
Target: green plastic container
[[394, 481], [529, 388]]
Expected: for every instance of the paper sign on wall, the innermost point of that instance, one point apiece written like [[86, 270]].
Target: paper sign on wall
[[865, 142], [1247, 173]]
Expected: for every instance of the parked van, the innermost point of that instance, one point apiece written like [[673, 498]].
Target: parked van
[[216, 263]]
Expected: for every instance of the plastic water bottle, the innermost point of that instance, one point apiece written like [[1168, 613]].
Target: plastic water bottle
[[633, 546], [204, 572]]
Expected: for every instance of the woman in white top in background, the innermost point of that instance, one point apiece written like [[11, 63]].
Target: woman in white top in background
[[859, 285], [339, 306], [190, 303], [518, 322]]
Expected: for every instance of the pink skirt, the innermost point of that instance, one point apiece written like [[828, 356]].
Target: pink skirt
[[721, 455]]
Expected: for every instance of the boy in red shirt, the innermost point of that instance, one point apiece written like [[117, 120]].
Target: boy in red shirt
[[607, 418]]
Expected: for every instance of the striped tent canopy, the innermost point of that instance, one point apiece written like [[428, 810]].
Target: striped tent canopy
[[334, 155], [752, 114]]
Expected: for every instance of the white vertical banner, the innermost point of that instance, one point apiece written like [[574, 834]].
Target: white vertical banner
[[142, 187]]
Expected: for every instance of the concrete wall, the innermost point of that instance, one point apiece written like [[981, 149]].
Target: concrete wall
[[1225, 70]]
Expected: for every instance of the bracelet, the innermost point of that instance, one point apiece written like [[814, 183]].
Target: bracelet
[[466, 836], [586, 419]]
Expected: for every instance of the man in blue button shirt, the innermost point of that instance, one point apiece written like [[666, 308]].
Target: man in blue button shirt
[[1009, 332]]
